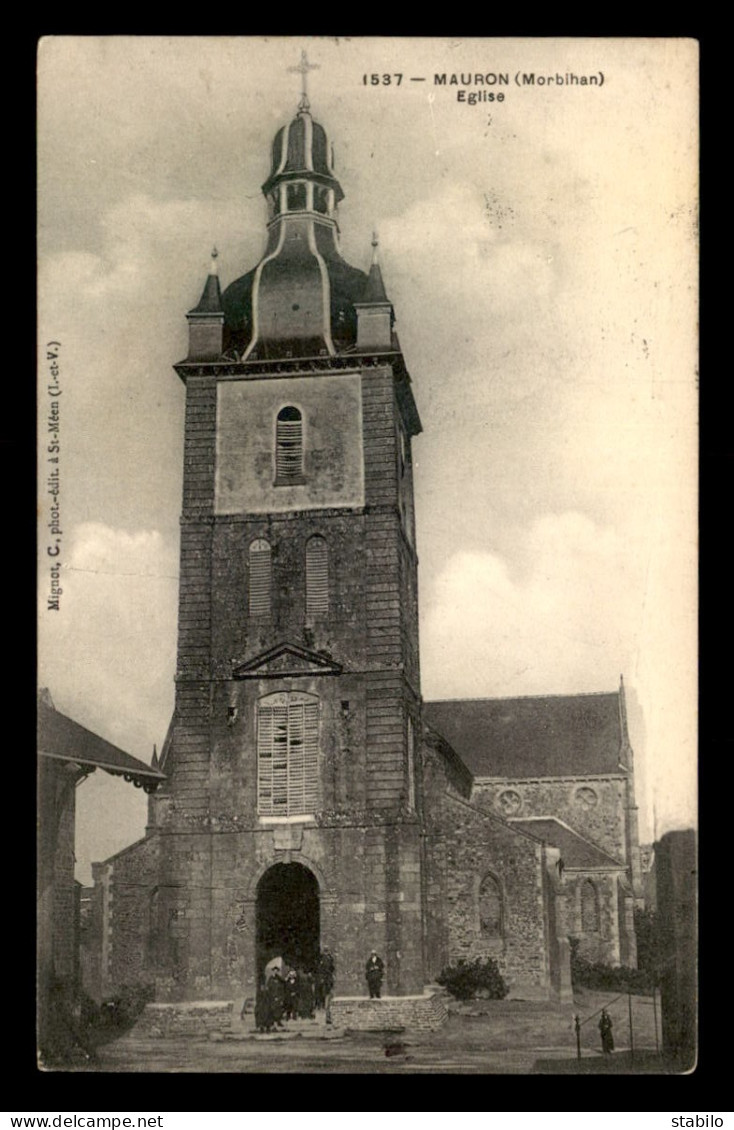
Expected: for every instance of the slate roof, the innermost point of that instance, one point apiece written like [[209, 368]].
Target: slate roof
[[211, 297], [576, 852], [544, 736], [374, 291], [64, 739]]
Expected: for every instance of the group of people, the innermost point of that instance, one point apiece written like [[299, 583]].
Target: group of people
[[286, 993]]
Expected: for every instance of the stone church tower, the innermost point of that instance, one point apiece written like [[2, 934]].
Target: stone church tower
[[293, 798], [311, 798]]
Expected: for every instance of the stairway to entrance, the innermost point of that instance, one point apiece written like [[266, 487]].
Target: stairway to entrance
[[316, 1029]]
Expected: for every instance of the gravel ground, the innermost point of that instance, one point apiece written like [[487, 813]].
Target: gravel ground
[[480, 1037]]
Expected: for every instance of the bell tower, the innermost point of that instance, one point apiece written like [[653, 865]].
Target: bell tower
[[298, 698]]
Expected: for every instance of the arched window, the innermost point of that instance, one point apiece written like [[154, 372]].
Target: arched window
[[589, 907], [296, 196], [260, 578], [288, 447], [317, 576], [490, 907], [287, 754]]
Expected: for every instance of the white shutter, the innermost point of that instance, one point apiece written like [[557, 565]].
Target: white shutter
[[280, 761], [265, 760], [288, 756], [310, 756], [288, 446], [260, 579], [317, 576]]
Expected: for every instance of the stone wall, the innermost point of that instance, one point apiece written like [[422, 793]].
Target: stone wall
[[124, 916], [603, 943], [593, 806], [333, 464], [677, 896], [463, 845], [423, 1013], [192, 1018]]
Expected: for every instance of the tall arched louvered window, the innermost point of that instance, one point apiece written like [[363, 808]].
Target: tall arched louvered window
[[317, 576], [287, 754], [490, 907], [260, 581], [288, 447], [411, 765], [589, 907]]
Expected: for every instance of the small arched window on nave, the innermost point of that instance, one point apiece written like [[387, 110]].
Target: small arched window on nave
[[490, 908], [589, 907], [288, 446], [260, 577]]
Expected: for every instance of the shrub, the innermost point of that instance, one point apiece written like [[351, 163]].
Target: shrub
[[115, 1015], [477, 978], [613, 978]]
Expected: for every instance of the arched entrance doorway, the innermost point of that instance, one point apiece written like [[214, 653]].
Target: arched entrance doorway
[[288, 916]]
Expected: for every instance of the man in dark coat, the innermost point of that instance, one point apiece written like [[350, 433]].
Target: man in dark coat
[[305, 995], [276, 997], [291, 994], [374, 972], [263, 1014]]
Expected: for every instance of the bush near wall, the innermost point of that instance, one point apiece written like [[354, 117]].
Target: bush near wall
[[465, 980], [598, 975], [115, 1015]]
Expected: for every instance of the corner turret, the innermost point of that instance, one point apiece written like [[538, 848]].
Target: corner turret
[[374, 310], [206, 321]]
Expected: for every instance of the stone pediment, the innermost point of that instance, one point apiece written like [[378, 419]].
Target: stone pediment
[[286, 659]]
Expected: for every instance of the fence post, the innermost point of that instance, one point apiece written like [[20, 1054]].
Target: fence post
[[632, 1043], [655, 1015], [577, 1026]]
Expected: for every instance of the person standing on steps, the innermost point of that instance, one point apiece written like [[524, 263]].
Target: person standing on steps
[[374, 972]]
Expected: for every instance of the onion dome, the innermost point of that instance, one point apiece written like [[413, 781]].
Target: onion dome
[[302, 153]]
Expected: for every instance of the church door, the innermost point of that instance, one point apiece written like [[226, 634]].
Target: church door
[[288, 917]]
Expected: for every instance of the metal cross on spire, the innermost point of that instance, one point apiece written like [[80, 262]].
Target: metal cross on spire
[[302, 69]]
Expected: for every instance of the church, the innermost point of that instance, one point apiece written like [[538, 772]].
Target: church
[[311, 797]]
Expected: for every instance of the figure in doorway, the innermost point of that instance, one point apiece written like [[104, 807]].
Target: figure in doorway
[[276, 997], [263, 1013], [374, 972], [291, 994], [305, 995], [605, 1028]]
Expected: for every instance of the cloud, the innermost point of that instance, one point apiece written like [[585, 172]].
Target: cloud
[[108, 653], [449, 238], [556, 618], [108, 658]]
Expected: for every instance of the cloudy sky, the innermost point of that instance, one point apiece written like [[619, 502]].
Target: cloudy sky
[[541, 256]]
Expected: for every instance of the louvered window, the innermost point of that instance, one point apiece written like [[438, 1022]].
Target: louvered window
[[260, 578], [287, 754], [288, 447], [317, 576], [411, 765], [490, 908]]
